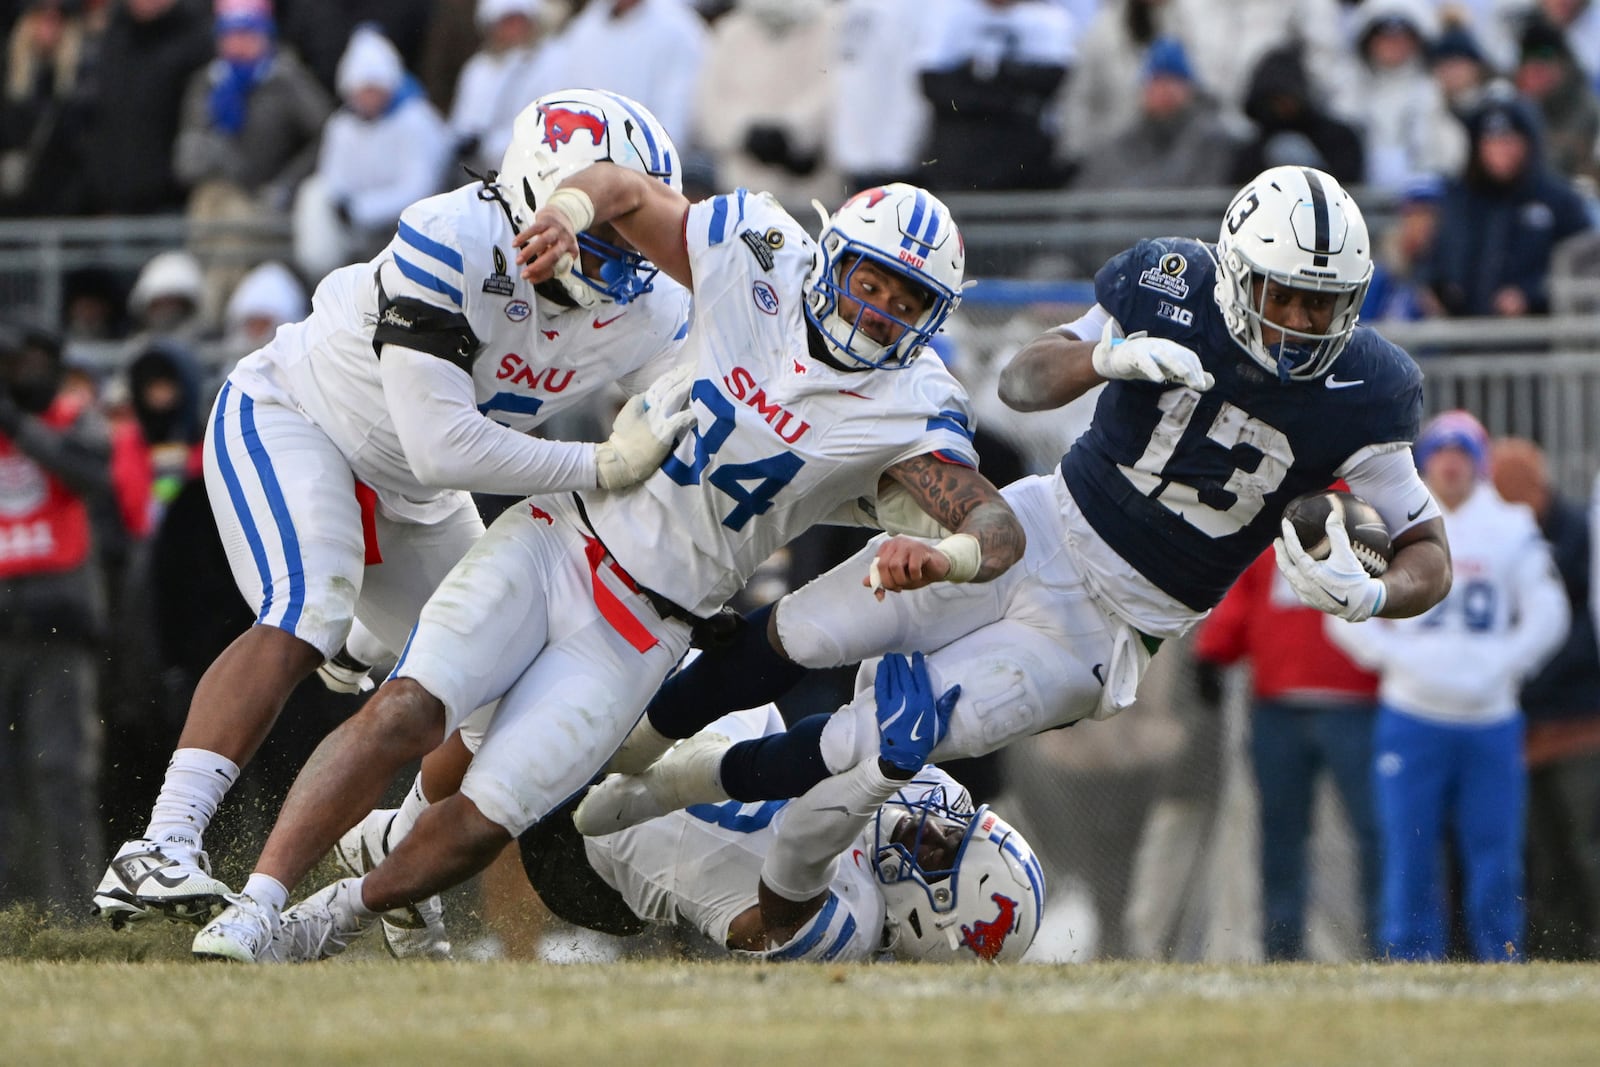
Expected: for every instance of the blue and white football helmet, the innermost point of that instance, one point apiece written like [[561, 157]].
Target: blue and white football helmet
[[985, 905], [560, 134], [1298, 227], [900, 228]]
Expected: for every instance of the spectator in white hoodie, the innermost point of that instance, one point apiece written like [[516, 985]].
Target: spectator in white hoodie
[[1448, 747], [1409, 130], [385, 148], [501, 78]]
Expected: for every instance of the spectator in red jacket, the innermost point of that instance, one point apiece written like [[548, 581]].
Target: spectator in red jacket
[[1312, 710]]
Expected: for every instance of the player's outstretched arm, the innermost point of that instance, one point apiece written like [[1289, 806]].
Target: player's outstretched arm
[[1049, 371], [987, 538], [644, 210], [1057, 368]]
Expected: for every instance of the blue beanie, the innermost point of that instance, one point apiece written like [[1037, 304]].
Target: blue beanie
[[1454, 429], [1167, 57]]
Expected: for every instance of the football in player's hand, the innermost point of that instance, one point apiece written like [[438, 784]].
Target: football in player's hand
[[1368, 534]]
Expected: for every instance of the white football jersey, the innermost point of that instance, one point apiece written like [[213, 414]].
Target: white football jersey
[[703, 864], [782, 439], [533, 358]]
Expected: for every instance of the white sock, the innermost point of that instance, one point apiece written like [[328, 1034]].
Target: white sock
[[348, 899], [196, 782], [406, 817], [267, 890]]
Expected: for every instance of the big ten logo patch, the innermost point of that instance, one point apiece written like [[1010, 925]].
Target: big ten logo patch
[[1180, 315]]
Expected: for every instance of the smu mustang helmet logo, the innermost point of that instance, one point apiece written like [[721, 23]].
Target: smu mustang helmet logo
[[988, 936], [871, 196], [561, 124]]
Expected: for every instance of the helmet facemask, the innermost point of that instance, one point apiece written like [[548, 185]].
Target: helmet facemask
[[967, 907], [1298, 355]]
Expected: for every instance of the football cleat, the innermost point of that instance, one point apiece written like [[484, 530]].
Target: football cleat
[[415, 932], [168, 879], [688, 774], [245, 932], [364, 845], [319, 927]]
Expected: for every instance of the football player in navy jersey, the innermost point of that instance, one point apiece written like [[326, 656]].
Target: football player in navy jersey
[[1238, 378]]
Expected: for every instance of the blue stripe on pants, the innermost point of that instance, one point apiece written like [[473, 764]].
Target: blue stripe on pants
[[241, 507]]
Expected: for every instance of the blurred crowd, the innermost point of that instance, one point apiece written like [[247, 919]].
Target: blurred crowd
[[1478, 117]]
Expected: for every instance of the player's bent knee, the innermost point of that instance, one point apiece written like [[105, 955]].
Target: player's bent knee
[[851, 735], [803, 641], [407, 714]]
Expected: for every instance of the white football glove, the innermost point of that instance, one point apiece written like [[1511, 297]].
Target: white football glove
[[1337, 585], [646, 429], [1142, 358]]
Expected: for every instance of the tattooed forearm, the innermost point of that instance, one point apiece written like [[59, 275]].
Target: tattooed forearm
[[964, 501]]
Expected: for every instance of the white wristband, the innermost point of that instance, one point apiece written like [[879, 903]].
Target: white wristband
[[574, 205], [965, 556]]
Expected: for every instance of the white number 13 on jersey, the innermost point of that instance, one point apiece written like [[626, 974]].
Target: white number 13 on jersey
[[1231, 428]]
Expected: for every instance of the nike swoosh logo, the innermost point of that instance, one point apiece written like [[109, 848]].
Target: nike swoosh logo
[[1410, 515], [1095, 670], [891, 720], [1343, 602], [916, 728], [1333, 383], [601, 324]]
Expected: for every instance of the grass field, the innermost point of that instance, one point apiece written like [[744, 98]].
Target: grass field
[[73, 995]]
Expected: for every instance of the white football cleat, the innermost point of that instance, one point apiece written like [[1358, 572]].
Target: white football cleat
[[416, 932], [319, 927], [364, 845], [690, 773], [168, 879], [245, 932]]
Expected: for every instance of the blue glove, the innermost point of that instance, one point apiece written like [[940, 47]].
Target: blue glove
[[910, 721]]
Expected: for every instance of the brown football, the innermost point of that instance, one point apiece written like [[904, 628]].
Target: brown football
[[1368, 534]]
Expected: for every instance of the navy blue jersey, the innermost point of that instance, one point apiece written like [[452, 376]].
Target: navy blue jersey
[[1190, 487]]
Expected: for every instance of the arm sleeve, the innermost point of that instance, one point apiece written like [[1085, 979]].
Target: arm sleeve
[[450, 445], [820, 825], [1089, 325], [1385, 476]]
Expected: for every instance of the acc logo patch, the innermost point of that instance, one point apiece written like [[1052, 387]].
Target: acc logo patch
[[518, 310], [1167, 276], [766, 297]]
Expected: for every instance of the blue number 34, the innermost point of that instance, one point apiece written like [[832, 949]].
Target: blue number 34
[[751, 485]]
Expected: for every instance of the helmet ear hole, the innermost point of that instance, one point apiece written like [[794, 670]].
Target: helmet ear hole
[[529, 197]]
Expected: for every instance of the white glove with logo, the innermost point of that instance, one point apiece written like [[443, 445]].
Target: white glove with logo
[[1142, 358], [646, 429], [1337, 585]]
